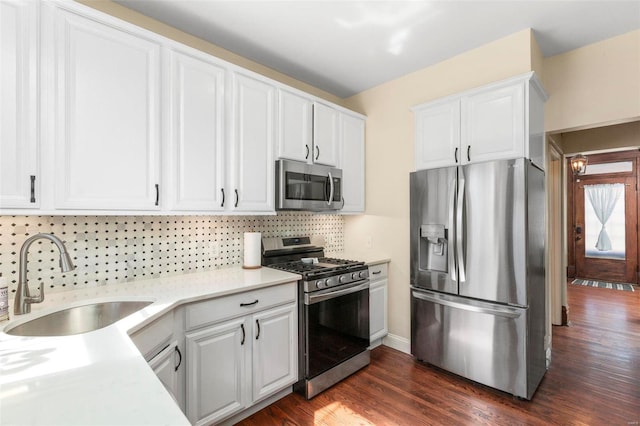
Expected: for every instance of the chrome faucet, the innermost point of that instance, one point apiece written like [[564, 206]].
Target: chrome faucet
[[23, 299]]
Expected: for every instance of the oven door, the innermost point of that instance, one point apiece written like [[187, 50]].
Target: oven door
[[336, 326], [310, 187]]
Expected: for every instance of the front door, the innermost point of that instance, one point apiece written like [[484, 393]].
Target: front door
[[605, 231]]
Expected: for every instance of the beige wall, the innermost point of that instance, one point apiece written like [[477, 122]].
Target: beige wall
[[608, 137], [157, 27], [389, 152], [595, 85]]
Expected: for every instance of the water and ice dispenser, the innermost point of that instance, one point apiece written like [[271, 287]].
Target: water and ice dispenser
[[433, 247]]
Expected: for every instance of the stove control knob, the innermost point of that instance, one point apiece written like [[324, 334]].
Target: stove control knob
[[354, 276], [319, 284], [363, 274], [342, 279]]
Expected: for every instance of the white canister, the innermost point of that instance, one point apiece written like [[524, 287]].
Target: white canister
[[4, 299], [252, 250]]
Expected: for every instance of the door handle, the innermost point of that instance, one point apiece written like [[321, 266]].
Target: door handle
[[459, 229], [453, 272], [177, 351]]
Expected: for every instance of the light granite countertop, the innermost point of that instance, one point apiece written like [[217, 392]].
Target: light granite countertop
[[100, 377]]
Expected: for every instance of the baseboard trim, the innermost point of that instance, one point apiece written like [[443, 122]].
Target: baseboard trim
[[396, 342]]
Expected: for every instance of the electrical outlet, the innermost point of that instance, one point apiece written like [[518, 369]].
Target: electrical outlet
[[368, 241]]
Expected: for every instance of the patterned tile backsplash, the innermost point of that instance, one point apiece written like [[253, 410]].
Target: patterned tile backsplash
[[115, 249]]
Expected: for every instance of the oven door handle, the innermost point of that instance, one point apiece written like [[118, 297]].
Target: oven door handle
[[310, 298]]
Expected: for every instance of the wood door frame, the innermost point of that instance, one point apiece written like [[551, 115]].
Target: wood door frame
[[610, 157]]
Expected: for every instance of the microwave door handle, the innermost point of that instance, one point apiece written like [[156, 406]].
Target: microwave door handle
[[331, 189]]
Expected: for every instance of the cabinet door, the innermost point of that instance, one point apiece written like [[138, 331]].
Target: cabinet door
[[216, 371], [325, 135], [196, 163], [294, 126], [493, 124], [165, 365], [18, 105], [352, 162], [252, 186], [275, 350], [378, 309], [438, 135], [106, 114]]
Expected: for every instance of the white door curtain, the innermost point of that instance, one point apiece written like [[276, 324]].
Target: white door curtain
[[603, 199]]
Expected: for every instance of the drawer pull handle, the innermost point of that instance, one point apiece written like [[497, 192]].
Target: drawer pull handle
[[222, 189], [243, 334], [255, 302], [376, 272], [258, 324]]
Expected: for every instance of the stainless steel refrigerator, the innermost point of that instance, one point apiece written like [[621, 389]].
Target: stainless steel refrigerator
[[477, 272]]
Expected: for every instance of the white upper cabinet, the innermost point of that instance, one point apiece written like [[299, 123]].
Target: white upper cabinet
[[325, 134], [352, 163], [19, 174], [99, 116], [295, 115], [195, 154], [503, 120], [437, 135], [107, 115], [493, 126], [252, 144]]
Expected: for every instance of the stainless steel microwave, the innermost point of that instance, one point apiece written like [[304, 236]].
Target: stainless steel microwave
[[312, 187]]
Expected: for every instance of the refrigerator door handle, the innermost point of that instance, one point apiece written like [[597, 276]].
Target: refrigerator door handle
[[441, 300], [453, 273], [459, 229]]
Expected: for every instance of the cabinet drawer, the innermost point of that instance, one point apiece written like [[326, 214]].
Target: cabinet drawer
[[379, 271], [155, 336], [221, 308]]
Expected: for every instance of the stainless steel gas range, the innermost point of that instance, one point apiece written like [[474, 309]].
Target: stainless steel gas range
[[333, 310]]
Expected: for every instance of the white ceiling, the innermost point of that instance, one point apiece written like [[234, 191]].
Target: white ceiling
[[345, 47]]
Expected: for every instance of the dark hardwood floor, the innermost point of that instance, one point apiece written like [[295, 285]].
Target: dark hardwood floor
[[594, 379]]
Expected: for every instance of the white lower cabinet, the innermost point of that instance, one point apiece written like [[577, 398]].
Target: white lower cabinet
[[160, 342], [216, 371], [238, 360], [274, 354], [378, 291], [166, 365]]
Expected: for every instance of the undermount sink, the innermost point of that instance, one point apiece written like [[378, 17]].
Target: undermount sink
[[78, 319]]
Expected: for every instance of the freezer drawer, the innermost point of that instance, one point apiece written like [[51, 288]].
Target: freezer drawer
[[481, 341]]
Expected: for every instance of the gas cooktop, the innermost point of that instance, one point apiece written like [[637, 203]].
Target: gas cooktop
[[319, 265]]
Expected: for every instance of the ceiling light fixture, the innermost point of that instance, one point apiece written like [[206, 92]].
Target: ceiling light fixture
[[579, 164]]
